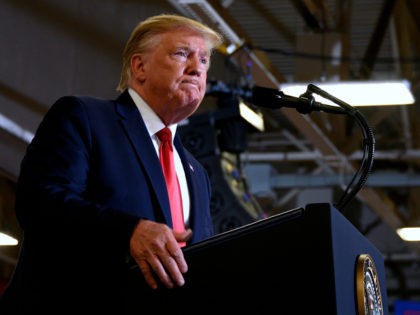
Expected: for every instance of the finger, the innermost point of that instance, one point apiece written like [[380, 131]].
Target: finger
[[178, 256], [162, 268], [183, 236], [171, 266], [152, 268], [188, 234], [147, 274]]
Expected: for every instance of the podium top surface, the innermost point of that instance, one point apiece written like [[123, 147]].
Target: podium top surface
[[248, 229]]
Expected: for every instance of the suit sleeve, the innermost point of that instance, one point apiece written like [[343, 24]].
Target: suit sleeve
[[51, 189]]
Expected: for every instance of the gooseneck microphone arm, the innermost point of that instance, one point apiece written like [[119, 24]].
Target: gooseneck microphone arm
[[366, 164], [305, 104]]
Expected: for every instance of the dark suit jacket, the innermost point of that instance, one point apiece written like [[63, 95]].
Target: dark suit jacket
[[87, 177]]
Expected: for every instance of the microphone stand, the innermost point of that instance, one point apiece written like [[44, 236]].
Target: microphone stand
[[305, 104], [368, 146]]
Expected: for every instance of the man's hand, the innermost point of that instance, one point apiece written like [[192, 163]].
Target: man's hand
[[154, 247]]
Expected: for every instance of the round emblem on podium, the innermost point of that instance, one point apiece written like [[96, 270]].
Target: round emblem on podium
[[369, 298]]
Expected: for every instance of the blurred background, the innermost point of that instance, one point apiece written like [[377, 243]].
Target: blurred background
[[287, 159]]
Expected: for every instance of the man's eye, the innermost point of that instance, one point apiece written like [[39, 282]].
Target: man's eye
[[204, 61], [181, 53]]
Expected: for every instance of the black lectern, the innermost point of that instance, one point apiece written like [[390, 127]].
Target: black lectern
[[302, 261]]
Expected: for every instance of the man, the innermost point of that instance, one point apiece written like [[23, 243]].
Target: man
[[91, 196]]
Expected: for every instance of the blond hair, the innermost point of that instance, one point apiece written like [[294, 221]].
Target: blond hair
[[144, 37]]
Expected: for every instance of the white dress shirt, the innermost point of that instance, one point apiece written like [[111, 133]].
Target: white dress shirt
[[153, 125]]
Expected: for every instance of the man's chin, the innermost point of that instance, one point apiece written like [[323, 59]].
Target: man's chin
[[192, 99]]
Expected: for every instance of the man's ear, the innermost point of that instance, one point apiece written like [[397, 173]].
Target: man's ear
[[137, 67]]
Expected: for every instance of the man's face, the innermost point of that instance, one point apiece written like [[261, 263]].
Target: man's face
[[172, 77]]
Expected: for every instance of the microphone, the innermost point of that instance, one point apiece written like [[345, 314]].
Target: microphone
[[275, 99]]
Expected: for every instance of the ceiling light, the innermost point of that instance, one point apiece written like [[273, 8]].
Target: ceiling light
[[411, 234], [256, 119], [358, 93], [6, 240], [15, 129]]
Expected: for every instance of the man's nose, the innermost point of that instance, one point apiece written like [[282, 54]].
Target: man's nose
[[195, 66]]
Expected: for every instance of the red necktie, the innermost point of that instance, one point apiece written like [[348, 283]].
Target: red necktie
[[168, 166]]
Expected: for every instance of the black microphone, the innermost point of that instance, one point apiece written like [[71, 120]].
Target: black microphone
[[275, 99]]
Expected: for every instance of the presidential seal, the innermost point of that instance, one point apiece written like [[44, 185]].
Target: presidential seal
[[369, 298]]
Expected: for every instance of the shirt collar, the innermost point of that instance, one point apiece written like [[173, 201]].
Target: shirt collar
[[151, 119]]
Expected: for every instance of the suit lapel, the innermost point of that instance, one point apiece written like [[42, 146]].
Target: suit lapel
[[189, 173], [136, 131]]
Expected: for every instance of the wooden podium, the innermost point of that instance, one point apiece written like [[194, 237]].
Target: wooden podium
[[303, 261]]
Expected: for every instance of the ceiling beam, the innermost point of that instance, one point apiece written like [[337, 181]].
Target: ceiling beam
[[376, 39], [274, 22], [307, 10]]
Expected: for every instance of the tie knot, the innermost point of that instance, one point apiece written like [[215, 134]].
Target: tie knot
[[164, 135]]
